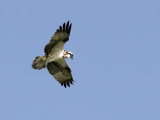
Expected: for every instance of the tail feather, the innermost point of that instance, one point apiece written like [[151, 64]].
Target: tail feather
[[39, 62]]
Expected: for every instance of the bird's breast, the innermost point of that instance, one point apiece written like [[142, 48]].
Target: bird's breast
[[55, 55]]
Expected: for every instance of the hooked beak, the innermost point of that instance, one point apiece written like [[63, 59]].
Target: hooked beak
[[72, 56]]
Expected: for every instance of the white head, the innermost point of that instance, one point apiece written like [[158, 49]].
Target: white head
[[68, 54]]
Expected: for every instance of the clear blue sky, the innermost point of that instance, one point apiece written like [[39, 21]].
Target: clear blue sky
[[116, 65]]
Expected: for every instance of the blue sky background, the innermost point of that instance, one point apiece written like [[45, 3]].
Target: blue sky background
[[116, 65]]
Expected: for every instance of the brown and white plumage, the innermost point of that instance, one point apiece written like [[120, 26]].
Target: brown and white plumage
[[55, 55]]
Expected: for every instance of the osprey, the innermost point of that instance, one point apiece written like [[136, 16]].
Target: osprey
[[54, 58]]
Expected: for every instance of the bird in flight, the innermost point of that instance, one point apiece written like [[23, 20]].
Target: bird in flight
[[54, 58]]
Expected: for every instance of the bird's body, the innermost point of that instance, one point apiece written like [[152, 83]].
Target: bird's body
[[54, 58]]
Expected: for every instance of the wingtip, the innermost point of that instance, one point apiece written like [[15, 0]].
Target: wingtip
[[60, 28], [64, 27], [67, 83], [70, 28]]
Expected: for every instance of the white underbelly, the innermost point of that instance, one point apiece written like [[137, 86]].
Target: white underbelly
[[54, 55]]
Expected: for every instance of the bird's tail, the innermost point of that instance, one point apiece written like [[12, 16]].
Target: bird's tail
[[39, 62]]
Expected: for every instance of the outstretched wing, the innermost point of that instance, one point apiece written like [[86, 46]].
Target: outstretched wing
[[59, 38], [62, 73]]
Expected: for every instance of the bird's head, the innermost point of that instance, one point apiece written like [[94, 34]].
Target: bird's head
[[67, 54], [70, 55]]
